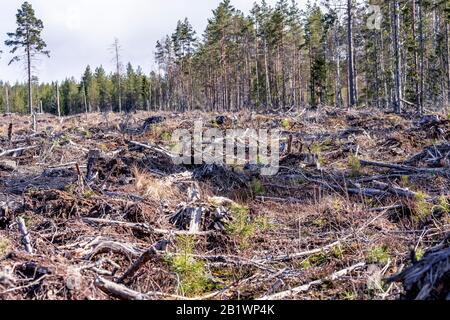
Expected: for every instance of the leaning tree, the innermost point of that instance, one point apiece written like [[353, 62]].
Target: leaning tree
[[27, 37]]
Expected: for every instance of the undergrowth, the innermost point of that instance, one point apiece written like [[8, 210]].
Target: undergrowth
[[192, 273]]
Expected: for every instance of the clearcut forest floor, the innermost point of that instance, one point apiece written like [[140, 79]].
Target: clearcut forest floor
[[359, 195]]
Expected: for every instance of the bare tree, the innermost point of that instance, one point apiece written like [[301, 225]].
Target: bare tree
[[7, 99], [116, 49], [397, 69], [351, 62], [58, 106]]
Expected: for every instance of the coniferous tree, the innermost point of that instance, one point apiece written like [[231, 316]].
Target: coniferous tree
[[27, 37]]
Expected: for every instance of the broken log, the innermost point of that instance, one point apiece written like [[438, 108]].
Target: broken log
[[152, 148], [196, 220], [119, 291], [404, 167], [429, 278], [7, 152], [25, 235]]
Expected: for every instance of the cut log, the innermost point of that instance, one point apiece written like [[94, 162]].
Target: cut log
[[25, 235]]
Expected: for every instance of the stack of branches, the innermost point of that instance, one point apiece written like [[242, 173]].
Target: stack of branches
[[142, 129], [429, 278], [221, 176], [198, 217], [433, 156]]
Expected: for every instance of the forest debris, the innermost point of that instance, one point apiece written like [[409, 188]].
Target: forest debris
[[152, 148], [17, 150], [145, 126], [435, 156], [196, 220], [93, 156], [8, 165], [429, 278], [106, 246], [26, 240], [299, 217], [143, 227], [292, 292], [404, 167], [149, 254], [119, 291]]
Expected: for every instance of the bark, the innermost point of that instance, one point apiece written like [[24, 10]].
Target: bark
[[351, 70], [397, 69]]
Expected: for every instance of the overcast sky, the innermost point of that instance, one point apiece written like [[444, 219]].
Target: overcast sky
[[80, 32]]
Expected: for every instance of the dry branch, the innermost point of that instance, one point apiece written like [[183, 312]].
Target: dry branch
[[7, 152], [144, 258], [119, 291], [25, 235], [404, 167], [292, 292]]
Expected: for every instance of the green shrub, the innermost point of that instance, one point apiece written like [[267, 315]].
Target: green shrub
[[192, 273], [166, 136], [443, 204], [241, 225], [354, 164], [285, 124], [419, 254], [258, 188], [378, 254], [314, 261], [421, 209]]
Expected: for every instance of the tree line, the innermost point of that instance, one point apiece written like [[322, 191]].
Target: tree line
[[392, 54]]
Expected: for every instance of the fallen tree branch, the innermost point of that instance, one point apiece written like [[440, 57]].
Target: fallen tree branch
[[297, 255], [306, 287], [152, 148], [148, 255], [119, 291], [144, 227], [404, 167], [25, 235], [7, 152]]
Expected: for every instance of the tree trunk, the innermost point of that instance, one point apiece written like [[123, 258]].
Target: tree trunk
[[58, 106], [338, 71], [383, 71], [268, 95], [398, 72], [447, 33], [8, 110], [85, 100], [351, 70], [119, 89], [421, 59], [30, 85], [416, 63]]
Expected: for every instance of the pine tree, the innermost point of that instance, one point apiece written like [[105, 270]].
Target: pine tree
[[27, 37]]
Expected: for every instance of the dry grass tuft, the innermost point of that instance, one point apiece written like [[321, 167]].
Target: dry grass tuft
[[154, 188]]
